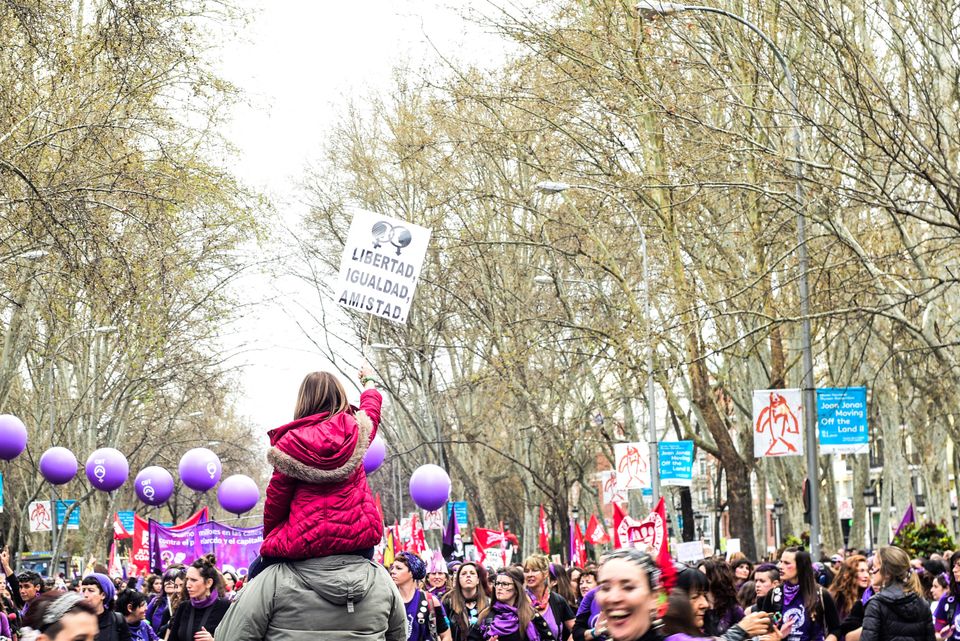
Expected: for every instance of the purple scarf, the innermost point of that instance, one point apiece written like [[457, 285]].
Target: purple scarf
[[866, 595], [790, 592], [205, 603], [504, 621]]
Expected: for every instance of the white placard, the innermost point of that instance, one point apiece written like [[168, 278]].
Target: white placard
[[611, 493], [733, 546], [41, 519], [632, 465], [433, 520], [777, 422], [689, 551], [381, 263]]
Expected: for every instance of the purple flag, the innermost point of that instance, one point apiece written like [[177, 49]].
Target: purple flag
[[452, 544], [907, 518], [235, 548]]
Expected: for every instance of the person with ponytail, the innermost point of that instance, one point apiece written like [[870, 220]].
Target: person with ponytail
[[202, 607], [896, 612], [799, 601]]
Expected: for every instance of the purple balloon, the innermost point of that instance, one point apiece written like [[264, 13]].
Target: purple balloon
[[373, 459], [238, 493], [153, 485], [107, 469], [200, 469], [58, 465], [13, 437], [430, 487]]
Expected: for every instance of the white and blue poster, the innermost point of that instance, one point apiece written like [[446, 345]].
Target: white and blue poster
[[461, 508], [676, 463], [74, 522], [842, 420]]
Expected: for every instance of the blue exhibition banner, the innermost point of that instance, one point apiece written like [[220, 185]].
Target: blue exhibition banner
[[842, 420], [461, 508], [127, 518], [74, 522], [676, 463]]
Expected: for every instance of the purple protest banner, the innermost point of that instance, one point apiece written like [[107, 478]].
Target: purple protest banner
[[235, 548]]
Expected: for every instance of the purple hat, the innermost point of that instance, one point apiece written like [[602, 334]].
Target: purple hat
[[418, 568], [106, 586]]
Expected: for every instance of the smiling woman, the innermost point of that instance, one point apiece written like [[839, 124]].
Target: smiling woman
[[627, 582]]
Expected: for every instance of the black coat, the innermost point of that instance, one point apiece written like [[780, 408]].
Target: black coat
[[895, 615], [113, 627], [187, 620]]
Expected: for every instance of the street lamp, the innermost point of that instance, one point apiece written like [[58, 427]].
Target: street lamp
[[778, 510], [651, 8], [870, 501], [436, 420], [549, 187], [54, 533]]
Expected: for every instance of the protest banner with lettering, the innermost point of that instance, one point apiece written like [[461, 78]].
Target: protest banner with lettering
[[235, 548], [381, 263]]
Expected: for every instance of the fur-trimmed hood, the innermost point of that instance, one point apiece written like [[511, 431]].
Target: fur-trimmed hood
[[317, 449]]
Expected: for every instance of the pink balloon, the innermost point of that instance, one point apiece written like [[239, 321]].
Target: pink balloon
[[430, 487], [238, 494], [13, 437], [375, 455], [58, 465]]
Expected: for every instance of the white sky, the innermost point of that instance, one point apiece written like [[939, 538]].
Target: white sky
[[298, 62]]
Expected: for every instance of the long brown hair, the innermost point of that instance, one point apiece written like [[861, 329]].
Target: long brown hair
[[320, 392], [524, 609], [844, 588], [454, 603], [895, 568]]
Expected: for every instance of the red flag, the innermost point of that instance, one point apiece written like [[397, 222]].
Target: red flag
[[418, 540], [578, 551], [621, 521], [119, 532], [652, 534], [488, 540], [595, 532], [544, 533]]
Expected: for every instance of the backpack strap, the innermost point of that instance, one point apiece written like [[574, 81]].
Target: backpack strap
[[432, 616]]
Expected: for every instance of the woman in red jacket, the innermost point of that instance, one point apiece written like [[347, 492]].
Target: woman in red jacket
[[318, 502]]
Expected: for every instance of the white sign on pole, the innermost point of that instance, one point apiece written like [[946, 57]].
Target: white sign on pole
[[777, 422], [611, 493], [41, 519], [382, 258], [690, 551], [632, 465], [433, 520]]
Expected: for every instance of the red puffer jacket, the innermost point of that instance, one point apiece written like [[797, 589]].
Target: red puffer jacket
[[318, 502]]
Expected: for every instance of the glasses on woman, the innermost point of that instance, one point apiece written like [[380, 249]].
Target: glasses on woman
[[873, 569], [503, 584]]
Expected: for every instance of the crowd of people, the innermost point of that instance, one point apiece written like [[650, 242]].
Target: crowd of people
[[316, 578]]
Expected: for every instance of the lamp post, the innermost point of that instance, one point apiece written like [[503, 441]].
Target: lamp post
[[436, 420], [778, 509], [653, 8], [548, 187], [54, 524], [870, 501]]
